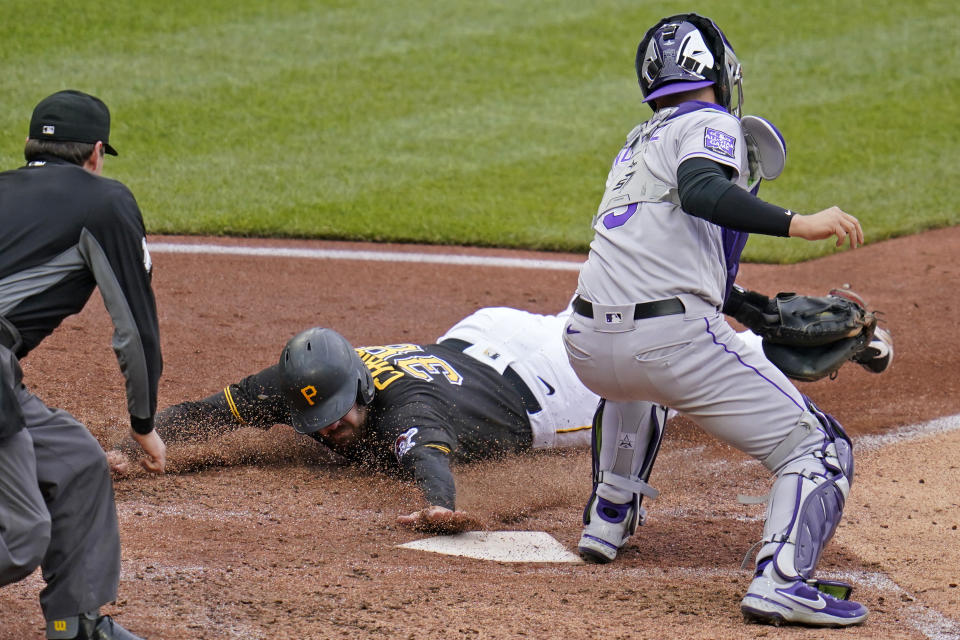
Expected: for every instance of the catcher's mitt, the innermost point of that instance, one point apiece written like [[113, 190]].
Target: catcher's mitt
[[812, 363], [806, 321], [806, 337]]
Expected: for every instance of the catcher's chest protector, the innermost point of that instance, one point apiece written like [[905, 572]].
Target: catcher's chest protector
[[630, 180]]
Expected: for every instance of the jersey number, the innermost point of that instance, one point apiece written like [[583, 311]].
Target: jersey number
[[618, 216], [425, 367]]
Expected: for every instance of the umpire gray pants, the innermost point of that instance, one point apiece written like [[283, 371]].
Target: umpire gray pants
[[57, 511]]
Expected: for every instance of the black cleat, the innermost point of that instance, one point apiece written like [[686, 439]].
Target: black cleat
[[88, 626], [104, 628]]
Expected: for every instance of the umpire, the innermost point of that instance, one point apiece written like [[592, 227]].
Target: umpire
[[65, 230]]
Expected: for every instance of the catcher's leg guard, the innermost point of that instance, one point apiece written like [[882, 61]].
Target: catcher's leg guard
[[808, 497], [805, 507], [626, 440]]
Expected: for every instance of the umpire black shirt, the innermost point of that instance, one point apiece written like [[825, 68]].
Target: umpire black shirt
[[63, 232]]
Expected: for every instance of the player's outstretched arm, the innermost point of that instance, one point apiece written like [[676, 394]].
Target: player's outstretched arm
[[826, 223], [255, 401], [429, 464], [194, 421]]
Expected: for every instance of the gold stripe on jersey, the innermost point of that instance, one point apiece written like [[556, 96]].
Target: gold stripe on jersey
[[575, 429], [232, 405], [438, 447]]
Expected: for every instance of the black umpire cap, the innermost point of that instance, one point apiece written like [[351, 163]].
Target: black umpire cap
[[72, 116]]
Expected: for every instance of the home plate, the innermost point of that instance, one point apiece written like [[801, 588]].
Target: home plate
[[500, 546]]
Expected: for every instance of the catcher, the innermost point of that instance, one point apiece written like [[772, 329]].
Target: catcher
[[496, 383]]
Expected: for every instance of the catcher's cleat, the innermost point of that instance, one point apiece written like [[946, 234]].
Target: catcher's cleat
[[877, 356], [610, 527], [771, 600], [89, 626]]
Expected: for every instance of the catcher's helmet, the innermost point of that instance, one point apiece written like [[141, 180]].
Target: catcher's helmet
[[322, 378], [686, 52]]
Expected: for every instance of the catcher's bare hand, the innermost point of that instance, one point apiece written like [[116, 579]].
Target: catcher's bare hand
[[440, 520], [826, 223]]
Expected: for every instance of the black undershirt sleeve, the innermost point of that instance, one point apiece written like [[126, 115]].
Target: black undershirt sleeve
[[706, 192], [255, 401], [431, 471]]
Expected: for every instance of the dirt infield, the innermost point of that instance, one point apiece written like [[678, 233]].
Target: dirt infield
[[264, 535]]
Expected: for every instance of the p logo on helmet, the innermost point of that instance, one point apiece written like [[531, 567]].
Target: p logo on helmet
[[309, 393], [322, 377]]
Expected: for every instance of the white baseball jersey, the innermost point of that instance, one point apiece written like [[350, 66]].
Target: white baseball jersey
[[645, 246], [531, 344]]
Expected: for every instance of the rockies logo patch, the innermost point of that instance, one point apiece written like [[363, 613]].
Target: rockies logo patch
[[719, 142], [404, 442]]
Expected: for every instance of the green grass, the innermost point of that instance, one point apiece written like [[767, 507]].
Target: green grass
[[486, 123]]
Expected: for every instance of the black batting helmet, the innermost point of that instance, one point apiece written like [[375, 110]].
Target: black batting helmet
[[685, 52], [322, 378]]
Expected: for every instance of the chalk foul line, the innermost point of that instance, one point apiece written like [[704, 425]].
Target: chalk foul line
[[371, 256]]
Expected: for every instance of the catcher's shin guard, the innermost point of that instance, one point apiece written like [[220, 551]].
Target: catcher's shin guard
[[626, 440], [808, 496]]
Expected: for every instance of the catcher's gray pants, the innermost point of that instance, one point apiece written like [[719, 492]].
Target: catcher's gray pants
[[693, 363], [57, 511]]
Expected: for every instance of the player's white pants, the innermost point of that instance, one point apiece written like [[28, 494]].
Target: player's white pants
[[696, 364], [530, 343]]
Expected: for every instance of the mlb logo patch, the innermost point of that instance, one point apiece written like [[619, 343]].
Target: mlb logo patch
[[719, 142], [614, 318], [49, 129]]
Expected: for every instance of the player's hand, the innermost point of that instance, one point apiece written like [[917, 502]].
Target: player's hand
[[826, 223], [156, 458], [437, 519], [118, 462]]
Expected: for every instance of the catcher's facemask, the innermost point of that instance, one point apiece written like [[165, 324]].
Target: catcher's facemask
[[685, 52]]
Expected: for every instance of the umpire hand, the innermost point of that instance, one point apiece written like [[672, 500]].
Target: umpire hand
[[156, 458]]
